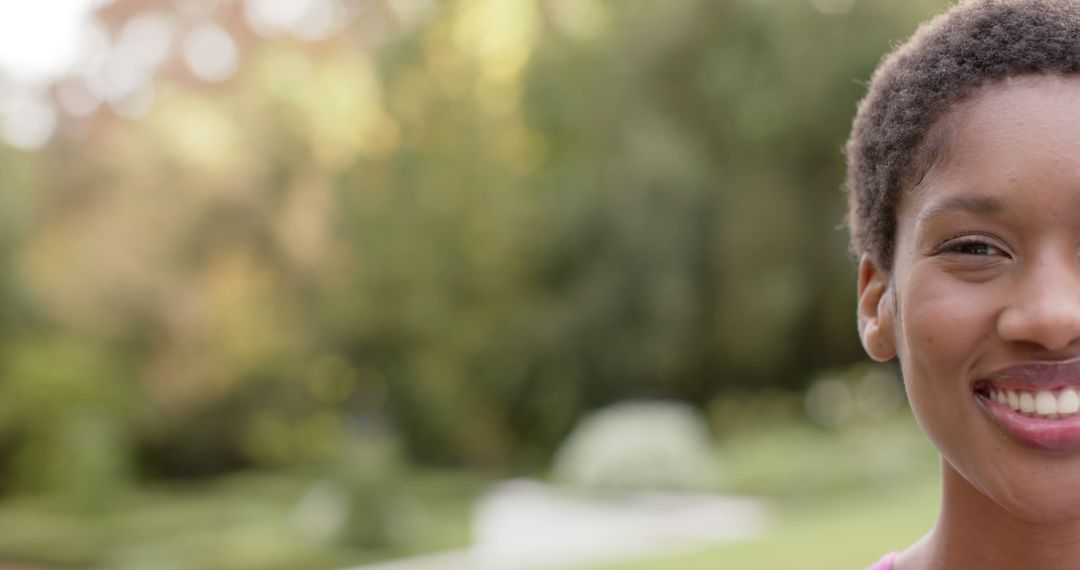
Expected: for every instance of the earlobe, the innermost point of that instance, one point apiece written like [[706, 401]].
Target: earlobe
[[876, 311]]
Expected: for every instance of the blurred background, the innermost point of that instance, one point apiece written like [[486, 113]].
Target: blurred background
[[295, 284]]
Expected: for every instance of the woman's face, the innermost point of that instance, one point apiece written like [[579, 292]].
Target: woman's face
[[983, 298]]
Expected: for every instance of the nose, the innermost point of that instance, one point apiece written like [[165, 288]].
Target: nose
[[1046, 306]]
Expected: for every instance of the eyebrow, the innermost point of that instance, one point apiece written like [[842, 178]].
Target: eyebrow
[[980, 205]]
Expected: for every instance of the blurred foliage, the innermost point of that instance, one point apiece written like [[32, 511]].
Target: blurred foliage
[[512, 212], [355, 257]]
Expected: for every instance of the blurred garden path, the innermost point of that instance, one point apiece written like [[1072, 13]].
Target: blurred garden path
[[452, 560], [526, 525]]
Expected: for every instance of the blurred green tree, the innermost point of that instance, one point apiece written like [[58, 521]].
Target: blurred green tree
[[512, 212]]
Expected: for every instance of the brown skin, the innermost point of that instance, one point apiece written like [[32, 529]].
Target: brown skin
[[987, 275]]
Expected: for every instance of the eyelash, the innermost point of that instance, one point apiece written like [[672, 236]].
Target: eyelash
[[957, 247]]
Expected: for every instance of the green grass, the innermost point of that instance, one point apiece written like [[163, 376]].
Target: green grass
[[243, 522], [842, 499], [849, 532]]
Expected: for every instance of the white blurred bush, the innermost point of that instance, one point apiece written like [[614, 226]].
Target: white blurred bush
[[639, 446]]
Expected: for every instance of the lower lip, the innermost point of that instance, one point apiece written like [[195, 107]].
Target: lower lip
[[1037, 433]]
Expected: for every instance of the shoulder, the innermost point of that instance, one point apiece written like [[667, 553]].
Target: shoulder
[[886, 562]]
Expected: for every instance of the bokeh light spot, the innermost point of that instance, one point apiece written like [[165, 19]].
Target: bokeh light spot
[[94, 48], [211, 53], [147, 39], [305, 19], [27, 122], [77, 97], [40, 40], [320, 21]]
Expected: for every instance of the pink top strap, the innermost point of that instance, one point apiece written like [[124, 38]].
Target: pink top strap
[[885, 563]]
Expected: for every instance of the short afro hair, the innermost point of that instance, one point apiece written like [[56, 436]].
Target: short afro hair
[[892, 142]]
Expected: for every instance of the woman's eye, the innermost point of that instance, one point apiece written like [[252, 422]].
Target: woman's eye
[[973, 247]]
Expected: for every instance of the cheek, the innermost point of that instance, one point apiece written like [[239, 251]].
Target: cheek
[[942, 321], [943, 327]]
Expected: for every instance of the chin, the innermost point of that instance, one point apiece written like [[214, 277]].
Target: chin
[[1045, 512], [984, 472], [1050, 500]]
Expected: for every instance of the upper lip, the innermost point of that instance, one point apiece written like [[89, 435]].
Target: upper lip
[[1043, 374]]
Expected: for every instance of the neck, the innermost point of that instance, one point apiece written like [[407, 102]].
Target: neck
[[974, 532]]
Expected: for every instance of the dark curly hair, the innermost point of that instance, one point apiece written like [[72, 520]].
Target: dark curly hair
[[897, 137]]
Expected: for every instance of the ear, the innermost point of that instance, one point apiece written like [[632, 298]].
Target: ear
[[877, 311]]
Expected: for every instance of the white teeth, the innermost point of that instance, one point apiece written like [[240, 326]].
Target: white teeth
[[1027, 403], [1045, 403], [1068, 402]]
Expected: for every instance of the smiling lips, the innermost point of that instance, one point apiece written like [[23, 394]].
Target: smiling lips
[[1037, 404]]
